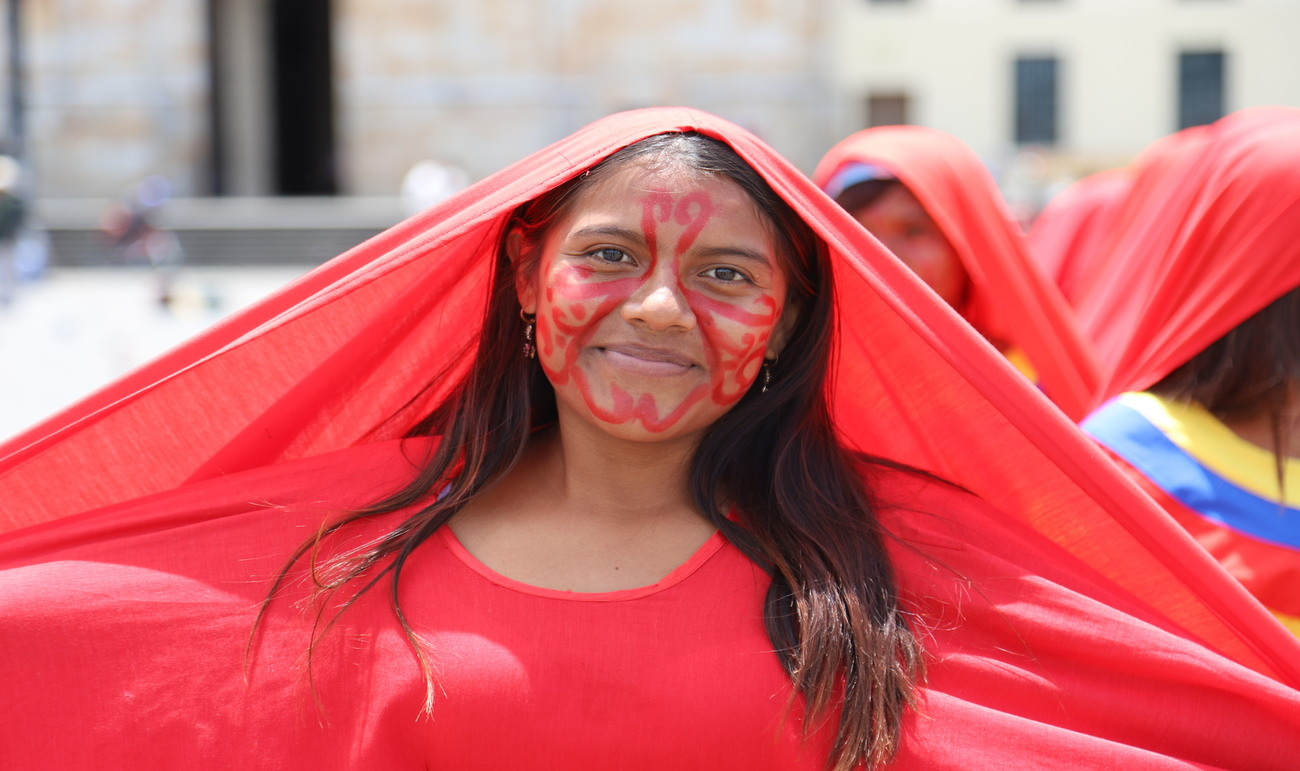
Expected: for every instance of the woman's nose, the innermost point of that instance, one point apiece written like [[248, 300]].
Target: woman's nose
[[660, 304]]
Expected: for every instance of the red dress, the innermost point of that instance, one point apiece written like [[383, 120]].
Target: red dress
[[1066, 621]]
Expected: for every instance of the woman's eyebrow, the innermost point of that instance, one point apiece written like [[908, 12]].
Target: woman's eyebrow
[[628, 235], [735, 252], [610, 231]]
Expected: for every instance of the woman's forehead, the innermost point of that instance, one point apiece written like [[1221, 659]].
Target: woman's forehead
[[630, 183]]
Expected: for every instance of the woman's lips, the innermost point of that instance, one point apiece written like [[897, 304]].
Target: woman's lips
[[646, 360]]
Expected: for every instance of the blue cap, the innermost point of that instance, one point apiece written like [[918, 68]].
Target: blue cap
[[851, 173]]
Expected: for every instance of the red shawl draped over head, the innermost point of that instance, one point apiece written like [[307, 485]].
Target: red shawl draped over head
[[1066, 235], [1079, 232], [1205, 238], [1067, 622], [1010, 298]]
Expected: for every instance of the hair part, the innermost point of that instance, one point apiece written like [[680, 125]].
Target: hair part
[[832, 609]]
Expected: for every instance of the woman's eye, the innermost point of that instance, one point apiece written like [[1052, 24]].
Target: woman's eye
[[611, 255], [728, 275]]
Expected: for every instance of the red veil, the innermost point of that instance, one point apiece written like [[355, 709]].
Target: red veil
[[1174, 284], [1066, 235], [1068, 623], [1010, 298]]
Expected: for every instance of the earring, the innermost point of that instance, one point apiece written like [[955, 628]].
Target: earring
[[530, 350], [767, 374]]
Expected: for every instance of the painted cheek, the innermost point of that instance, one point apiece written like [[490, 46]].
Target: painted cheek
[[576, 305], [737, 338]]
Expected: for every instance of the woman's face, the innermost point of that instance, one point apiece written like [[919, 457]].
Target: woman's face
[[898, 220], [657, 298]]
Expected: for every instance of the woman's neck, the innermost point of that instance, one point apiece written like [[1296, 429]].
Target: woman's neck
[[587, 515], [588, 472]]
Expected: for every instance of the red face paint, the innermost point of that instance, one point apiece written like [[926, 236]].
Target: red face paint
[[656, 299]]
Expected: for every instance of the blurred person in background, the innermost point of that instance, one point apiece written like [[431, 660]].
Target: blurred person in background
[[429, 182], [13, 213], [1201, 308], [136, 237], [638, 454], [927, 197]]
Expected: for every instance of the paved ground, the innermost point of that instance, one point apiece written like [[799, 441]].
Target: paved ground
[[66, 335]]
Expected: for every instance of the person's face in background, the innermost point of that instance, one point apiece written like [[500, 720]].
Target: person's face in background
[[898, 220]]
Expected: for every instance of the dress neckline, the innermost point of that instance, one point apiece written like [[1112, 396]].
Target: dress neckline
[[674, 577]]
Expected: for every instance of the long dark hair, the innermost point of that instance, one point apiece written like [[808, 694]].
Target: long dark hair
[[803, 512], [1252, 371]]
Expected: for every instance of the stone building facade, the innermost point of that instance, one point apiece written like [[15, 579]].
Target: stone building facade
[[277, 97], [301, 113]]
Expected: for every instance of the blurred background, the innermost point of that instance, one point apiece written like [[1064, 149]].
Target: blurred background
[[173, 160]]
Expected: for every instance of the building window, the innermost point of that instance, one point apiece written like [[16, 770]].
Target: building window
[[1036, 100], [887, 109], [1200, 87]]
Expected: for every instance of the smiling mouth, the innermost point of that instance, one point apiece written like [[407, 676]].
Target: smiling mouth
[[645, 360]]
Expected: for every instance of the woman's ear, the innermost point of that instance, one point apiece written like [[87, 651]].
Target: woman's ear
[[781, 332], [525, 286]]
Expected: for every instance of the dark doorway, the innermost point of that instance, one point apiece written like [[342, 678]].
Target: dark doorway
[[303, 98]]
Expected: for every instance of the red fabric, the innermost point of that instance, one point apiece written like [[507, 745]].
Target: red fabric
[[1037, 659], [1210, 236], [1269, 571], [1145, 174], [611, 680], [1067, 621], [1011, 300], [1066, 235]]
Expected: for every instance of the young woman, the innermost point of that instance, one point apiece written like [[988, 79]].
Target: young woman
[[928, 198], [1204, 347], [625, 518]]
